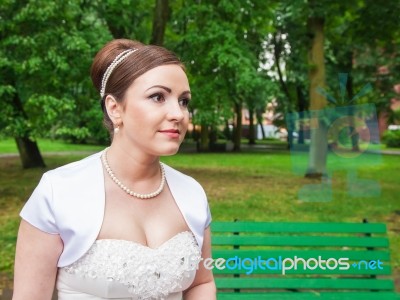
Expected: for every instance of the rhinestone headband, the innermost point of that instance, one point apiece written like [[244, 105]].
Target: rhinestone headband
[[120, 57]]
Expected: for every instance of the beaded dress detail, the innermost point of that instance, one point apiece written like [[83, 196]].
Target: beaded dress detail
[[118, 269]]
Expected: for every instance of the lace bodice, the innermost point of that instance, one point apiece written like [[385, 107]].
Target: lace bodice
[[128, 270]]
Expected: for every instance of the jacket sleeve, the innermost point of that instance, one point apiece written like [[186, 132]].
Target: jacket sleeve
[[38, 210]]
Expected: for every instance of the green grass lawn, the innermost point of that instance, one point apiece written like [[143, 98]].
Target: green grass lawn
[[246, 186], [9, 146]]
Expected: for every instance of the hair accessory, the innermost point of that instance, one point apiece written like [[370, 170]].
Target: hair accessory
[[128, 191], [120, 57]]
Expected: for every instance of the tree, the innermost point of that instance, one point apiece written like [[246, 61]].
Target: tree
[[359, 50], [286, 62], [263, 91], [319, 140], [346, 40], [222, 41], [49, 47]]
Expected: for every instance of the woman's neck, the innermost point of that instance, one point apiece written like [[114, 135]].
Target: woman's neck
[[131, 165]]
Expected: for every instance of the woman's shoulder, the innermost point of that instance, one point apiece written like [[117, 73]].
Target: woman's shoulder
[[77, 167], [191, 200], [173, 174]]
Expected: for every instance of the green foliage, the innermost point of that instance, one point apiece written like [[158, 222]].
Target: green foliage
[[127, 18], [350, 45], [361, 50], [392, 138], [44, 81], [221, 43], [231, 49]]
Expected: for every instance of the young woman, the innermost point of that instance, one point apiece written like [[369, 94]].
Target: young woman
[[120, 224]]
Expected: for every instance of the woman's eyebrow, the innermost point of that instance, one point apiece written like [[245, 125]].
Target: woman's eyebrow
[[168, 89], [186, 93], [160, 86]]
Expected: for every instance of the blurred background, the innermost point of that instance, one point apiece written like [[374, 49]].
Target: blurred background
[[250, 63]]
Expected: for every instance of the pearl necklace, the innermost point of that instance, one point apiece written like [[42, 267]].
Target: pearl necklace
[[128, 191]]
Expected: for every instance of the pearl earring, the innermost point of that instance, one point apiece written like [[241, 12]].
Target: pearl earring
[[116, 129]]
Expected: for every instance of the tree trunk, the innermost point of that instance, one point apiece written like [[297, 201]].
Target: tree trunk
[[277, 55], [29, 153], [204, 139], [278, 47], [302, 106], [260, 122], [318, 128], [353, 130], [252, 129], [213, 135], [355, 137], [290, 130], [28, 150], [237, 134], [227, 131], [160, 18]]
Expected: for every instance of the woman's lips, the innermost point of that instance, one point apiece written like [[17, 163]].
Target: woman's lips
[[172, 133]]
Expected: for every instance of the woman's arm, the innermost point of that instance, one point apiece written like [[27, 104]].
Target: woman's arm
[[36, 260], [203, 286]]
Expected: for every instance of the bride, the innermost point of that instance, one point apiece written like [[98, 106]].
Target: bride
[[120, 224]]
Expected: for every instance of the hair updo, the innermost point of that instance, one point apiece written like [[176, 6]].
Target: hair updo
[[124, 74]]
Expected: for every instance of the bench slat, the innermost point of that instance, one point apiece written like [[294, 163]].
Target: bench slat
[[282, 227], [306, 254], [304, 283], [387, 270], [309, 296], [300, 241]]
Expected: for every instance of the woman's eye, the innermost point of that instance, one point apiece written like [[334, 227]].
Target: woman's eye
[[157, 98], [184, 102]]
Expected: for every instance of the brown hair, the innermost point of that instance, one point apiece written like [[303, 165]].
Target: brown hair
[[124, 74]]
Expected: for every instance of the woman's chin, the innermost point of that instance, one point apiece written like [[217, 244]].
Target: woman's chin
[[167, 151]]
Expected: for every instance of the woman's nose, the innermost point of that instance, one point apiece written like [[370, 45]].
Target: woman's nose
[[175, 111]]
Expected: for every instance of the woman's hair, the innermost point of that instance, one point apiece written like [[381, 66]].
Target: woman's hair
[[141, 59]]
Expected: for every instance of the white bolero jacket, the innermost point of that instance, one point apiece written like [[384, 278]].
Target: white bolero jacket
[[70, 201]]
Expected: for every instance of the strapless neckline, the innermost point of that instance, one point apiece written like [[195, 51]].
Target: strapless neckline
[[123, 269]]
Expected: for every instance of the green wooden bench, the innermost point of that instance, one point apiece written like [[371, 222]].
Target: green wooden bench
[[364, 244]]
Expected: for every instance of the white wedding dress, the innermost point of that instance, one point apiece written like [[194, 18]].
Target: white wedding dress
[[118, 269]]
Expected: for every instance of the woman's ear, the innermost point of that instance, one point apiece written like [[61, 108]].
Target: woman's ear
[[113, 109]]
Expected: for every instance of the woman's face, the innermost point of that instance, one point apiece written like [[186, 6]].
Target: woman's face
[[155, 116]]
